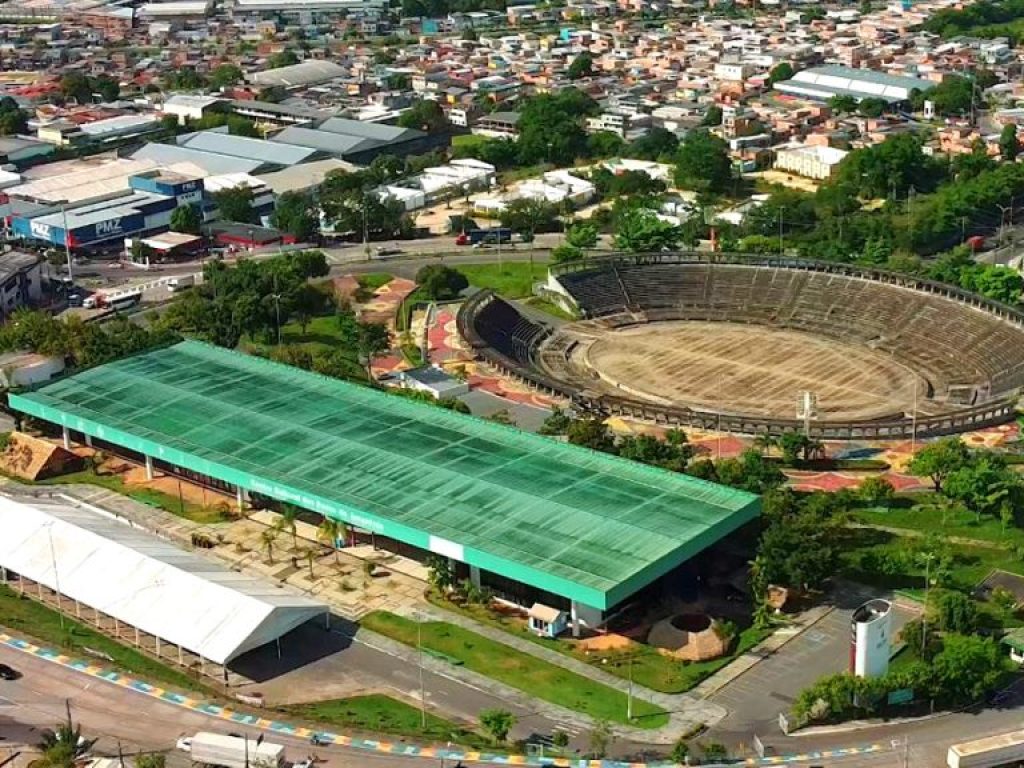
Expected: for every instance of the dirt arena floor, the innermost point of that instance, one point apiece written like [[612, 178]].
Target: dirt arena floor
[[749, 369]]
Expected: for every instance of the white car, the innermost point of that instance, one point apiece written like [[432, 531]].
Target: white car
[[184, 743]]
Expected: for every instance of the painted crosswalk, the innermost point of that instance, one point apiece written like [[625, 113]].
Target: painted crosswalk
[[382, 746]]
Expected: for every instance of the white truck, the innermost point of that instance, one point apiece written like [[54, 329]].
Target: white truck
[[180, 283], [232, 751], [991, 751]]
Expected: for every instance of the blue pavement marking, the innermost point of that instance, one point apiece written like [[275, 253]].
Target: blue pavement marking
[[409, 750]]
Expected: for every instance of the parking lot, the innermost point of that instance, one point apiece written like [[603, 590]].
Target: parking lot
[[756, 698]]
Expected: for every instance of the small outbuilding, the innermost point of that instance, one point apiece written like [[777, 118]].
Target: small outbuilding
[[547, 621]]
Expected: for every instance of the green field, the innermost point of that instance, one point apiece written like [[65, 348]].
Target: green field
[[23, 615], [932, 518], [370, 282], [650, 668], [513, 279], [889, 560], [378, 713], [527, 673], [197, 513]]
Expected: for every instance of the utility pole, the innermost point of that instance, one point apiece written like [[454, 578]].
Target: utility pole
[[419, 659], [67, 707], [927, 582], [782, 248], [629, 691], [67, 239]]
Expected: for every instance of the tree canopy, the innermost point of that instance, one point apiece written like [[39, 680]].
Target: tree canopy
[[702, 163]]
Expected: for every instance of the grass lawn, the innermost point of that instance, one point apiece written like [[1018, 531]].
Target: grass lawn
[[513, 279], [370, 282], [23, 615], [651, 669], [889, 560], [382, 714], [529, 674], [930, 518], [512, 175], [469, 140], [549, 308], [322, 336], [197, 513]]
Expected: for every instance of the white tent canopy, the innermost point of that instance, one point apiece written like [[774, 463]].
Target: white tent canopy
[[146, 582]]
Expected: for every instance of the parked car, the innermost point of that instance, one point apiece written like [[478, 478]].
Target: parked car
[[8, 673]]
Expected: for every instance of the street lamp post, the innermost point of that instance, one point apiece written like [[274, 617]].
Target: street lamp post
[[67, 238]]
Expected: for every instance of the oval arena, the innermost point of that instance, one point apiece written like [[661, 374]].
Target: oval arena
[[732, 342]]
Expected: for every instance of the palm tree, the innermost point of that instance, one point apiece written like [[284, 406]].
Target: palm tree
[[329, 532], [764, 443], [62, 747], [268, 537], [286, 522]]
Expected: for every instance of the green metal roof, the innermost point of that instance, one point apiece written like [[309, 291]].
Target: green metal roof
[[588, 526]]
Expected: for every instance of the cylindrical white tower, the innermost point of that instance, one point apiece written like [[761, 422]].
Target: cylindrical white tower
[[870, 641]]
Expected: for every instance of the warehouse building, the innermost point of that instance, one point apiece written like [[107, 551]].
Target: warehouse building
[[359, 142], [822, 83], [113, 575], [535, 519], [145, 207]]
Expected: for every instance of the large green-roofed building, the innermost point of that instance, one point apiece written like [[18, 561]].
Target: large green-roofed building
[[582, 525]]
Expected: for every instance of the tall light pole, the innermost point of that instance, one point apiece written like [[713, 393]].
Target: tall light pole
[[419, 661], [56, 575], [67, 238]]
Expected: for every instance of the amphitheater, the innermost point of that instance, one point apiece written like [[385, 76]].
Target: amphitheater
[[733, 343]]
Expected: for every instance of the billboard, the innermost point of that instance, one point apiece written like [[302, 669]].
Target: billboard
[[871, 640]]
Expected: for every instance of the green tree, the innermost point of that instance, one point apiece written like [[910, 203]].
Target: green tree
[[955, 612], [582, 66], [550, 127], [781, 71], [150, 760], [968, 667], [938, 460], [13, 119], [440, 574], [374, 340], [877, 491], [235, 204], [107, 87], [799, 550], [1009, 144], [309, 301], [997, 282], [185, 218], [872, 107], [225, 75], [497, 723], [184, 79], [713, 117], [425, 115], [591, 433], [295, 214], [62, 747], [530, 215], [702, 163], [605, 144], [841, 104], [557, 423], [565, 252], [328, 532], [600, 739], [440, 282], [641, 231], [658, 142], [75, 86], [284, 58], [582, 235], [240, 126]]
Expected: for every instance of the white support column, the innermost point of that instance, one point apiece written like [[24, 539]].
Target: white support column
[[574, 613], [78, 610], [149, 467], [202, 666], [157, 638], [66, 434], [240, 497], [474, 576], [88, 440], [137, 644], [181, 660], [3, 575]]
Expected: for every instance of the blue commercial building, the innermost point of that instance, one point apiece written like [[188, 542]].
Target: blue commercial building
[[145, 207]]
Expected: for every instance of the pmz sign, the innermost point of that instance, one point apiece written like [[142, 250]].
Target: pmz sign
[[40, 230], [109, 227]]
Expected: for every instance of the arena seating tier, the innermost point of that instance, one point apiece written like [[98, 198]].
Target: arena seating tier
[[955, 345]]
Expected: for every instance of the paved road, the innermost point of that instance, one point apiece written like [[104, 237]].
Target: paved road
[[113, 714]]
